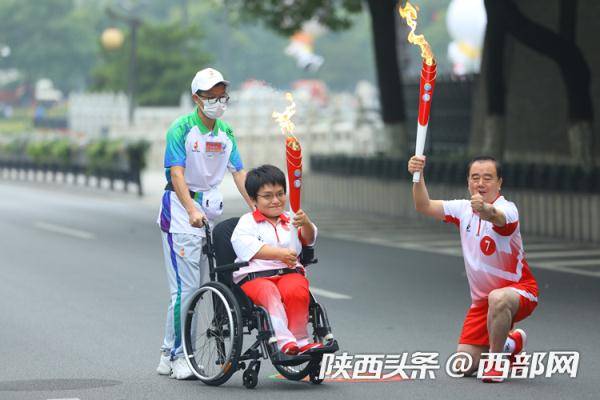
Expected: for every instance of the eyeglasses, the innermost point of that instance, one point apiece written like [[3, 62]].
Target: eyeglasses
[[270, 196], [213, 100]]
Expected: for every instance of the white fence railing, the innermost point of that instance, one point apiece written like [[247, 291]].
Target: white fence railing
[[339, 126], [572, 216]]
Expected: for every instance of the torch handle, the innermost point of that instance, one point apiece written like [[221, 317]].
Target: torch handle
[[420, 147]]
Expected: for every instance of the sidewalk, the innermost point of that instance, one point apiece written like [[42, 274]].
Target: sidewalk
[[419, 235]]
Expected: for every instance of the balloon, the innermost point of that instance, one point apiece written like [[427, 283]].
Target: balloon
[[466, 21]]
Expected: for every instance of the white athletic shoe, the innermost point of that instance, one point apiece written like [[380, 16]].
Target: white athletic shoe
[[164, 365], [181, 370]]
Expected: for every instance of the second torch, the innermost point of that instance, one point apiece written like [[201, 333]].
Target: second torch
[[428, 74]]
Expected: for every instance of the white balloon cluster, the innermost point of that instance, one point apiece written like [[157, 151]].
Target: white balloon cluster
[[466, 21]]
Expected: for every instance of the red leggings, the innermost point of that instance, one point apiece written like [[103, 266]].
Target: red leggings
[[286, 298]]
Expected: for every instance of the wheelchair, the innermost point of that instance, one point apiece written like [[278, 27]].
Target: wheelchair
[[219, 314]]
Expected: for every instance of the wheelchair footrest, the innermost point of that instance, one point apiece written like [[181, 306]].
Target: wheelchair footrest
[[330, 347], [279, 358]]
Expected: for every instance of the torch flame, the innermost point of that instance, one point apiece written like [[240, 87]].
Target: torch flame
[[409, 13], [284, 119]]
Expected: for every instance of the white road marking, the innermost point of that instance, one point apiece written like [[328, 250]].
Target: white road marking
[[329, 294], [561, 267], [71, 398], [558, 265], [454, 251], [451, 251], [565, 254], [444, 243], [570, 263], [414, 238], [64, 230], [546, 246]]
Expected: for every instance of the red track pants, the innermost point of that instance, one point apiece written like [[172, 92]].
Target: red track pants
[[286, 298]]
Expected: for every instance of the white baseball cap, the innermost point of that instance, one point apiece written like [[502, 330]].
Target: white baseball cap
[[207, 78]]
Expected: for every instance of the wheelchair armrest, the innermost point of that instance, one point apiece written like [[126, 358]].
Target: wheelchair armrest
[[306, 263], [307, 256], [231, 267]]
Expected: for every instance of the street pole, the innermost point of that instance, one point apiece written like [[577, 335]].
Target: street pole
[[133, 25]]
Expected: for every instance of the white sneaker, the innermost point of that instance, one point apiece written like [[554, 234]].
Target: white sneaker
[[164, 365], [181, 370]]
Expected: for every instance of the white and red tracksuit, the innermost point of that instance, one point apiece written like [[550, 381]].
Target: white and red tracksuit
[[286, 297], [494, 258]]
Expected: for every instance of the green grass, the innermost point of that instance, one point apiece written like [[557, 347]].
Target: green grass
[[15, 125]]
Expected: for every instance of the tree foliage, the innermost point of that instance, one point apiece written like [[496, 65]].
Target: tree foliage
[[59, 39], [51, 38], [263, 52], [287, 17], [168, 55]]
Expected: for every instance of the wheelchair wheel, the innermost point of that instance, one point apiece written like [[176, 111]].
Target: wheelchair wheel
[[294, 372], [212, 335], [315, 370]]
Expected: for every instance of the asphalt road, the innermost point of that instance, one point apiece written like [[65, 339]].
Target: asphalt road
[[84, 295]]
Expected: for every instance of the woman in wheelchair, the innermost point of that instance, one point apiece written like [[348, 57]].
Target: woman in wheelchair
[[274, 278], [264, 290]]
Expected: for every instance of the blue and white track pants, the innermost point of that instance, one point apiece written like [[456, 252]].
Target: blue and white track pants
[[187, 270]]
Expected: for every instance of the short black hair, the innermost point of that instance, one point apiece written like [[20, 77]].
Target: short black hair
[[485, 158], [264, 175]]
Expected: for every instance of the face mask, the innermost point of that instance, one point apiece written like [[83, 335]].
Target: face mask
[[214, 111]]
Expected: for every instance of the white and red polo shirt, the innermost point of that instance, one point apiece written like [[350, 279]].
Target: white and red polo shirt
[[494, 256], [253, 231]]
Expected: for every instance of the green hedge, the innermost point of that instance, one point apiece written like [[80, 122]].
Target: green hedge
[[93, 155]]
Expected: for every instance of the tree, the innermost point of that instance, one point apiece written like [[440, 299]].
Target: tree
[[231, 37], [167, 55], [383, 17], [494, 87], [48, 39], [505, 17], [287, 17]]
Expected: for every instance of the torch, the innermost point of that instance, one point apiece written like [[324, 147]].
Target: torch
[[428, 74], [293, 157], [293, 154]]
